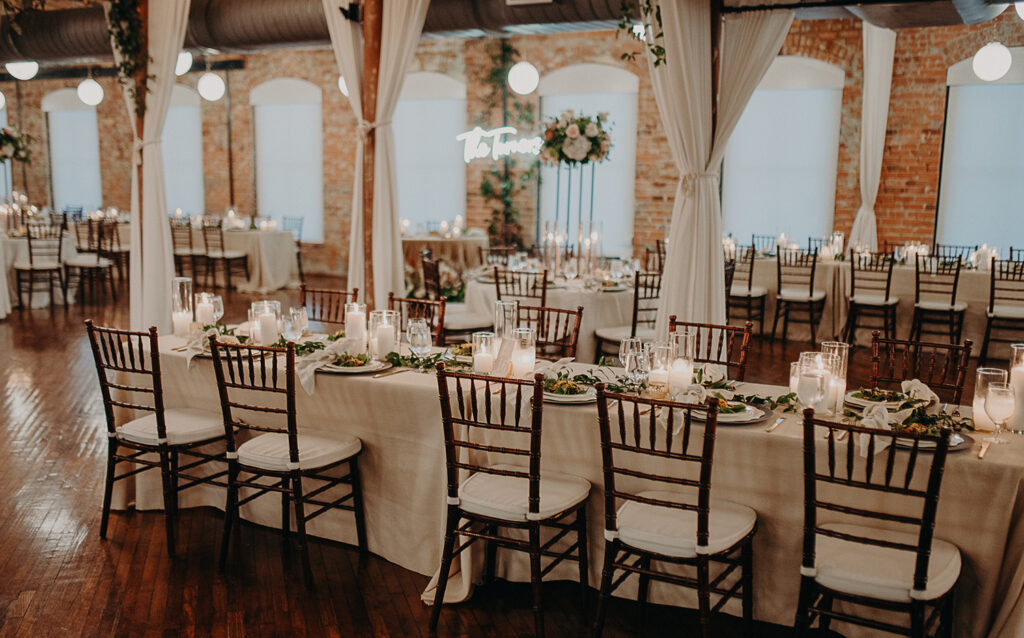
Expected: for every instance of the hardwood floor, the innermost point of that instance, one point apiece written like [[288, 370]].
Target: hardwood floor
[[58, 578]]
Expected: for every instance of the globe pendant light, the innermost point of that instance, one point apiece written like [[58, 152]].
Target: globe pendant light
[[184, 63], [24, 70], [211, 86], [90, 92], [523, 78], [992, 61]]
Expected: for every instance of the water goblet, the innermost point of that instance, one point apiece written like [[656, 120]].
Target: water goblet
[[290, 329], [999, 406], [419, 337]]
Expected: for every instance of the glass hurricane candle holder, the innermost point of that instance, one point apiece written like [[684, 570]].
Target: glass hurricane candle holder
[[984, 377], [817, 364], [355, 324], [483, 352], [265, 322], [524, 351], [837, 388], [1016, 422], [384, 333], [661, 363], [206, 314], [182, 310], [506, 318]]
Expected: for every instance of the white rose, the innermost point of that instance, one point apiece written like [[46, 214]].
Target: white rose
[[576, 148], [591, 130], [8, 150]]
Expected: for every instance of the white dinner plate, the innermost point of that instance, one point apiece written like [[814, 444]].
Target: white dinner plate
[[861, 403], [373, 366], [752, 414], [590, 396]]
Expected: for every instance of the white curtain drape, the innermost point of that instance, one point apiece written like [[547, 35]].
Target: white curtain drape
[[403, 23], [694, 285], [879, 50], [152, 266]]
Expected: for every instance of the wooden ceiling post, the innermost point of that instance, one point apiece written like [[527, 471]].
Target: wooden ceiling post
[[373, 21]]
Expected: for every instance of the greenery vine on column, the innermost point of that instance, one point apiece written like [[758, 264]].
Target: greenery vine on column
[[124, 23]]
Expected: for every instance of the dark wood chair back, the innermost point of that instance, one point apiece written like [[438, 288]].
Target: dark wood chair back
[[326, 305], [796, 269], [430, 309], [181, 236], [110, 236], [558, 329], [256, 396], [949, 252], [654, 261], [59, 219], [646, 292], [134, 358], [632, 438], [74, 213], [936, 279], [844, 476], [941, 366], [507, 409], [730, 275], [1006, 287], [293, 225], [724, 345], [871, 274], [815, 243], [44, 244], [743, 258], [495, 255], [763, 243], [213, 236], [431, 276], [521, 285], [87, 237], [1016, 254], [891, 246]]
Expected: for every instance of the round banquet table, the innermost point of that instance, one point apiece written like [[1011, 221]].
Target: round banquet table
[[601, 309], [14, 249], [461, 253], [272, 259]]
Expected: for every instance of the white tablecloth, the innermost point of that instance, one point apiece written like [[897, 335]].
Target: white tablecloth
[[402, 463], [272, 260], [14, 249], [461, 253], [600, 309]]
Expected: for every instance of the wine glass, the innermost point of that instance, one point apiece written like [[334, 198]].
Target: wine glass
[[218, 308], [290, 329], [999, 406], [811, 385], [419, 337], [628, 346], [300, 315]]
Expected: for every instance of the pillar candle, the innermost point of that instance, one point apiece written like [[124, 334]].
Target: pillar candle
[[483, 362], [204, 313], [1016, 422], [182, 321], [268, 328], [385, 339]]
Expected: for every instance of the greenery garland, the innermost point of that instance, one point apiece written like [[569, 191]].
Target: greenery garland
[[650, 17], [124, 24]]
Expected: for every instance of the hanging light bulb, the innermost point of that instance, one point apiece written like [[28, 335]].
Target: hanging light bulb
[[184, 63], [90, 92], [3, 100], [24, 70], [211, 86], [992, 61], [523, 78], [342, 86]]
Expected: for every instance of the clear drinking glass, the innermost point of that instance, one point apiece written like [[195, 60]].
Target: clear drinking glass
[[984, 377], [419, 337], [794, 375], [301, 315], [999, 406], [628, 346], [218, 308], [684, 342], [291, 331], [812, 384]]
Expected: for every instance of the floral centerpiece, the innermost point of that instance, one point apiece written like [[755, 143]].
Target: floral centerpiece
[[14, 144], [575, 139]]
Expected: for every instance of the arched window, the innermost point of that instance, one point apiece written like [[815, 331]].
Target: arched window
[[590, 89], [779, 173], [74, 151], [287, 120], [982, 182], [430, 113], [182, 145]]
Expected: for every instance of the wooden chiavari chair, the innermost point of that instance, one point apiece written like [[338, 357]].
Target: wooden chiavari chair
[[870, 286], [231, 261], [521, 285], [431, 275], [795, 276], [668, 447], [1016, 254], [429, 309], [723, 345], [507, 494], [936, 281], [185, 251], [558, 329], [743, 294], [764, 243], [294, 226], [44, 263], [91, 268], [113, 249], [459, 321], [646, 293], [128, 366], [1005, 310], [278, 458], [74, 213], [941, 366], [815, 243], [891, 246], [654, 261], [950, 252], [901, 568], [59, 219], [730, 276], [495, 255], [326, 305]]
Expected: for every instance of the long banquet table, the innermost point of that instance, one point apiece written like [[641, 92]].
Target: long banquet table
[[981, 508], [14, 249]]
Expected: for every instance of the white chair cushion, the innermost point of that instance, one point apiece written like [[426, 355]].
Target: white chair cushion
[[185, 252], [874, 300], [882, 572], [227, 254], [619, 333], [38, 265], [458, 318], [88, 261], [744, 291], [270, 451], [507, 497], [673, 532], [184, 425], [1006, 312], [800, 294], [941, 305]]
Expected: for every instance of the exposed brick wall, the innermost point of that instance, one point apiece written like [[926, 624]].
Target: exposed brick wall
[[910, 174]]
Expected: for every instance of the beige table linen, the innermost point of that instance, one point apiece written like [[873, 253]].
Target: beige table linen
[[601, 309], [461, 253], [981, 506], [15, 249], [272, 261]]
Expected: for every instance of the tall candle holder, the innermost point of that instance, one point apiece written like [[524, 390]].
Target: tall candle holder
[[1016, 422], [182, 306], [384, 333], [524, 351], [355, 325], [837, 389], [484, 352], [506, 318], [684, 351]]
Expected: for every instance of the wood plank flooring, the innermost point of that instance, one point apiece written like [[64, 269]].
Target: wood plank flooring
[[57, 578]]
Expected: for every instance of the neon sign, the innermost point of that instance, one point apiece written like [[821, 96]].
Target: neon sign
[[493, 143]]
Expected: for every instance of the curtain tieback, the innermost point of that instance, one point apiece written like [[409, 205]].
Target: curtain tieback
[[690, 181], [365, 127], [138, 146]]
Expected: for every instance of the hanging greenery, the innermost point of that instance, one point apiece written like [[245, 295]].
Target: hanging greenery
[[649, 18], [14, 9], [124, 23]]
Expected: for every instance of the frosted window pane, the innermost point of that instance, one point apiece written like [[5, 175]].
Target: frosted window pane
[[428, 159], [182, 145], [75, 159], [982, 195], [289, 165], [5, 166], [780, 165], [615, 178]]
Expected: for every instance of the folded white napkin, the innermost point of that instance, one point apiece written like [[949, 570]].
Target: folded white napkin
[[875, 416], [918, 390], [695, 393], [198, 341], [713, 372], [550, 368], [307, 365]]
